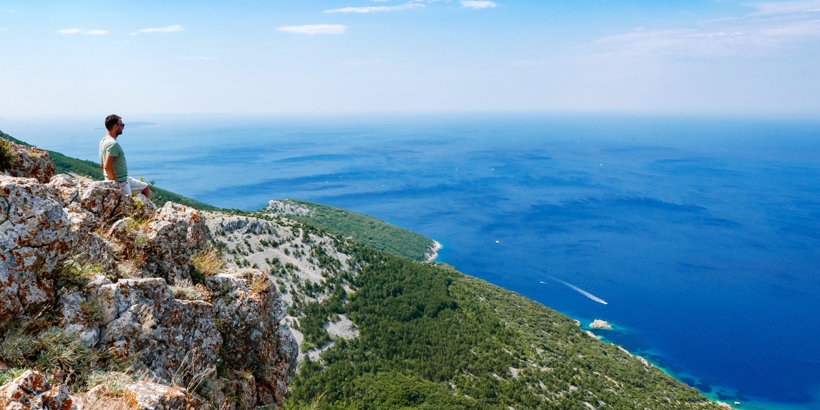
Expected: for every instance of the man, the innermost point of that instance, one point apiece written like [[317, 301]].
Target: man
[[112, 160]]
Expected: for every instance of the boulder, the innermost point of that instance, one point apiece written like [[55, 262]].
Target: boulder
[[175, 341], [153, 396], [164, 245], [29, 162], [31, 391], [248, 310]]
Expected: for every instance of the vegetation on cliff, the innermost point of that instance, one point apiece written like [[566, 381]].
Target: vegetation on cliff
[[364, 229]]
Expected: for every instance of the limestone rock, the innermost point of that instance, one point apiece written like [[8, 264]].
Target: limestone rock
[[141, 318], [248, 309], [79, 312], [153, 396], [173, 234], [35, 237], [31, 391], [30, 162]]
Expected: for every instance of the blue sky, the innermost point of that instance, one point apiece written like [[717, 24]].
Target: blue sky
[[267, 57]]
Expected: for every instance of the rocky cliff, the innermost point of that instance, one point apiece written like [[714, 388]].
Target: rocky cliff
[[109, 301]]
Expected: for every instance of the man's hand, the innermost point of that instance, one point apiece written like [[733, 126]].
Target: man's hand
[[108, 167]]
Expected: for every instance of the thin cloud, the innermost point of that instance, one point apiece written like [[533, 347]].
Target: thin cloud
[[168, 29], [70, 30], [199, 58], [750, 35], [524, 63], [375, 9], [478, 4], [315, 29], [374, 63], [786, 7], [2, 29], [97, 32]]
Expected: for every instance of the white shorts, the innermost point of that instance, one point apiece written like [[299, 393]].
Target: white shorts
[[131, 186]]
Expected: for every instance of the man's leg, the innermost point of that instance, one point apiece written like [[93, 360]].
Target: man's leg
[[139, 186], [124, 187]]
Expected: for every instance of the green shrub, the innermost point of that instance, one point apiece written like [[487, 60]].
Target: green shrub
[[7, 158]]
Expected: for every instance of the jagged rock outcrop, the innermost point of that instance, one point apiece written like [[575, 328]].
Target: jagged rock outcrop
[[31, 391], [42, 225], [172, 338], [173, 234], [101, 263], [161, 247], [35, 237], [249, 309], [29, 162]]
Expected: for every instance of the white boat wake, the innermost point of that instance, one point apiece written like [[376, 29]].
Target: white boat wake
[[579, 290]]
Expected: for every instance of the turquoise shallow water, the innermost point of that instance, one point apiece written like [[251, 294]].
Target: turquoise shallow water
[[701, 234]]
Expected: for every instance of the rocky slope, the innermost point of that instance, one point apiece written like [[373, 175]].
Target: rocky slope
[[100, 292]]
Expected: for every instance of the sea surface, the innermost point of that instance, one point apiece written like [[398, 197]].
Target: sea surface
[[697, 238]]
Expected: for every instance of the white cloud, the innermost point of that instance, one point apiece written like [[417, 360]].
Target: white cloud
[[97, 32], [374, 9], [478, 4], [198, 58], [786, 7], [70, 30], [2, 29], [168, 29], [315, 29]]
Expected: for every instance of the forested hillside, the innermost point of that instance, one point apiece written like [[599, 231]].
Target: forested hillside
[[433, 331]]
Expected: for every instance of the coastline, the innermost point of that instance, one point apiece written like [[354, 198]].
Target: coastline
[[434, 251]]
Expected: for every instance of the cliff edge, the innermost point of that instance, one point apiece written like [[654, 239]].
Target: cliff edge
[[107, 301]]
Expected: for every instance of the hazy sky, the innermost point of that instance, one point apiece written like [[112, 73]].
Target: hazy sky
[[98, 57]]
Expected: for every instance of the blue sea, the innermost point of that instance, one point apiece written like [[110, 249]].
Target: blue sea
[[702, 235]]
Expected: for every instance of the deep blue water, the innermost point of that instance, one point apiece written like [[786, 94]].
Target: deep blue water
[[701, 234]]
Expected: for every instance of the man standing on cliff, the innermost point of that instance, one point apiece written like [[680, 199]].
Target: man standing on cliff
[[112, 160]]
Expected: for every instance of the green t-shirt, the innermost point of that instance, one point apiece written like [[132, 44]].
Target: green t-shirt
[[109, 147]]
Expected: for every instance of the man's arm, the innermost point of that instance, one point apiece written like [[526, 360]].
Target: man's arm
[[108, 167]]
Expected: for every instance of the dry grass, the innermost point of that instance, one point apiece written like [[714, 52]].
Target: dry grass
[[185, 293], [208, 261], [260, 283], [72, 272]]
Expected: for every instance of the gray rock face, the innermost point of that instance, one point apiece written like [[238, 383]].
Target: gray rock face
[[173, 234], [35, 237], [172, 338], [249, 309]]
